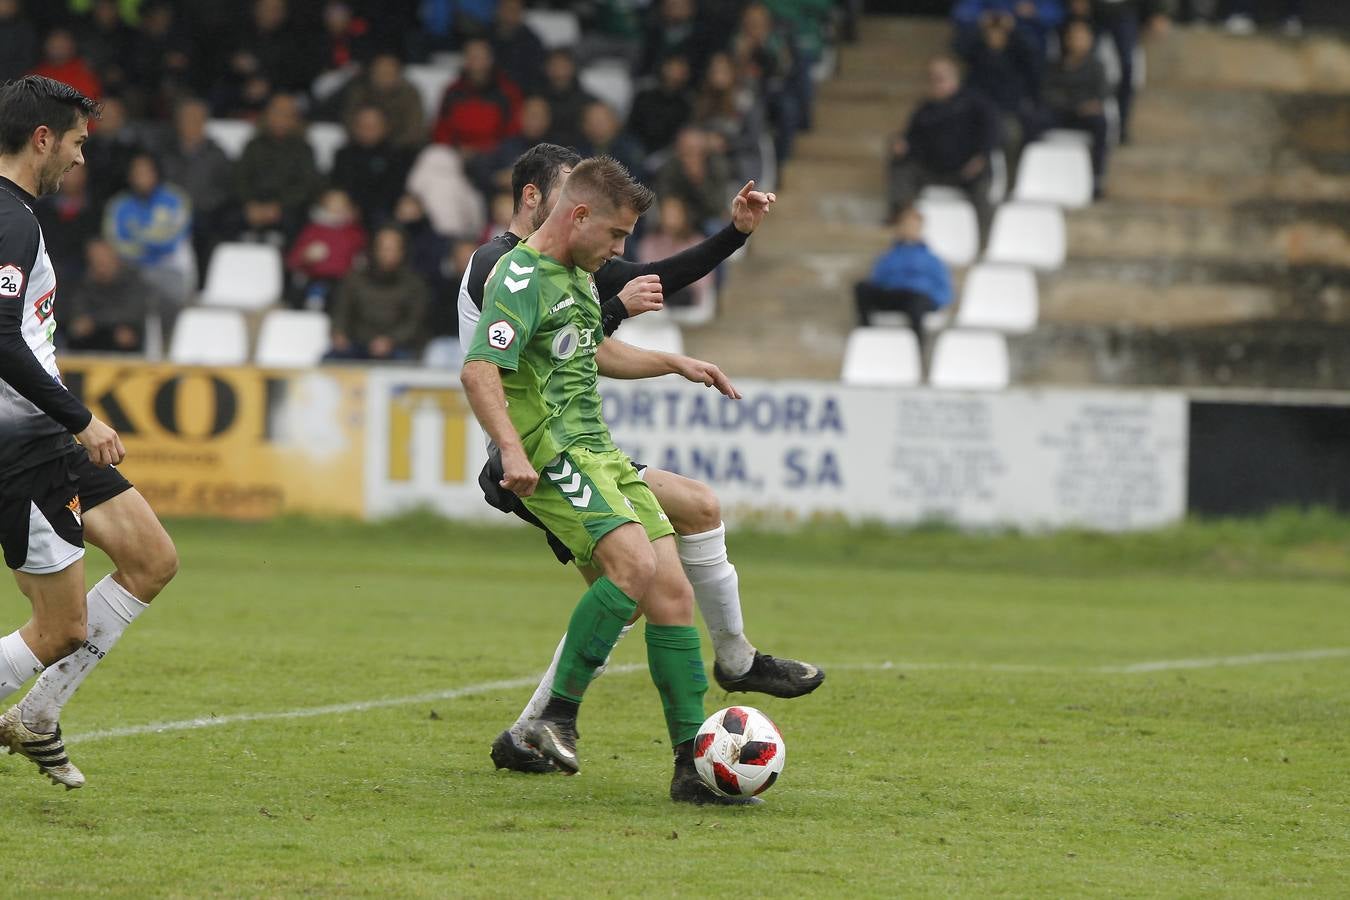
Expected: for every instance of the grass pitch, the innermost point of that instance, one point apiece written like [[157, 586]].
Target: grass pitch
[[986, 727]]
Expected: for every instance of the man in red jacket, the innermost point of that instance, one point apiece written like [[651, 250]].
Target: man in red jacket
[[482, 106]]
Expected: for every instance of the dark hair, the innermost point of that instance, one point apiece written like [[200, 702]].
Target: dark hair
[[540, 166], [606, 179], [34, 100]]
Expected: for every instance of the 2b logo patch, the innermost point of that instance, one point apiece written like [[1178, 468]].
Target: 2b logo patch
[[11, 280], [501, 335]]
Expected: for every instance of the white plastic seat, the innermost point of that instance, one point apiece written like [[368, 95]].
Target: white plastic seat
[[882, 357], [209, 337], [325, 138], [292, 339], [951, 230], [610, 82], [970, 361], [555, 27], [1002, 298], [247, 276], [431, 82], [1059, 173], [232, 135], [1067, 136], [651, 331], [1028, 234]]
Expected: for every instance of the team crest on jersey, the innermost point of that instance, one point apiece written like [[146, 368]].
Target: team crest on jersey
[[43, 307], [595, 292], [11, 280], [74, 507], [501, 335]]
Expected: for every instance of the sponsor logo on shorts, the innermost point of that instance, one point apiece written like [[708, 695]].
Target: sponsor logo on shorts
[[74, 507], [501, 335]]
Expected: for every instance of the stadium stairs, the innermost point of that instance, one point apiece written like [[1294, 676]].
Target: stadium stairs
[[1221, 256]]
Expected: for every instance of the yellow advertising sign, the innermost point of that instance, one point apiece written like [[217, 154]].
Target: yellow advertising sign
[[233, 442]]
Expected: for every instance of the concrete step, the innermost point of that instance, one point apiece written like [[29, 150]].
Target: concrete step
[[1085, 301], [829, 145], [1210, 59]]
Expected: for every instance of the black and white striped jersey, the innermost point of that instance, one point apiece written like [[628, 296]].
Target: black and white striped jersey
[[37, 414]]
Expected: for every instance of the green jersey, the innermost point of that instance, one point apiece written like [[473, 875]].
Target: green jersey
[[541, 325]]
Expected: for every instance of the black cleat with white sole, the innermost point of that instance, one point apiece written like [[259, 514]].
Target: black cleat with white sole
[[556, 741], [687, 787], [507, 754], [785, 678]]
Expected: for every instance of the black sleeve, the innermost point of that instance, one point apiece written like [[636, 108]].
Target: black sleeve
[[612, 314], [19, 368], [677, 272]]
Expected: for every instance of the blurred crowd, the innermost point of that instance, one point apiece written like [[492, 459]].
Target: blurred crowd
[[719, 90]]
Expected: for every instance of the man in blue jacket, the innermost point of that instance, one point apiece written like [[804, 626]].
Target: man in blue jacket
[[907, 278]]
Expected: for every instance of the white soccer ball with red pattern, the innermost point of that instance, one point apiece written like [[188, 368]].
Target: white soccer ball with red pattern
[[739, 752]]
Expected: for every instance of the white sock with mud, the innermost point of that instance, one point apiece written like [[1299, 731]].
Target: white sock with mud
[[17, 663], [544, 691], [717, 590], [111, 610]]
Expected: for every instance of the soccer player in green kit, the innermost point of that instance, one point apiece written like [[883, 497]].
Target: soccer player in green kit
[[531, 377]]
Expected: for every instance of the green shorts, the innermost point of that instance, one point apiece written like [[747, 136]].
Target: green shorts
[[583, 495]]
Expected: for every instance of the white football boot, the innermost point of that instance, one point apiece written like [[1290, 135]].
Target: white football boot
[[47, 750]]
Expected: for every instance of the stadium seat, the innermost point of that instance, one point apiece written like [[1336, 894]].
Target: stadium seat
[[232, 135], [950, 229], [1028, 234], [1067, 136], [1002, 298], [431, 82], [248, 276], [443, 353], [209, 337], [651, 331], [998, 179], [970, 361], [886, 357], [555, 27], [324, 139], [610, 82], [1058, 173], [292, 338]]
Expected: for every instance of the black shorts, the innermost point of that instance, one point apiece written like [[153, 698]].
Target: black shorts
[[500, 498], [42, 510]]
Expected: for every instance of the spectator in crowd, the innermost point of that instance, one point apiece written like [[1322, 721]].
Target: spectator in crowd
[[482, 107], [698, 175], [370, 168], [446, 24], [18, 42], [765, 52], [106, 311], [62, 61], [69, 218], [675, 233], [491, 172], [106, 43], [660, 111], [276, 49], [439, 183], [276, 177], [382, 84], [673, 29], [567, 99], [729, 111], [326, 250], [443, 311], [428, 249], [518, 50], [908, 278], [948, 141], [1122, 21], [1034, 20], [602, 135], [112, 143], [807, 22], [1006, 70], [346, 36], [161, 59], [379, 312], [1076, 92], [502, 208], [198, 165], [150, 226]]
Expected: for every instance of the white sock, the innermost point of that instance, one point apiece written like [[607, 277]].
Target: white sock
[[544, 691], [717, 590], [17, 663], [111, 610]]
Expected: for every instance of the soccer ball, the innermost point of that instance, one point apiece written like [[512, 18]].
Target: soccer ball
[[739, 752]]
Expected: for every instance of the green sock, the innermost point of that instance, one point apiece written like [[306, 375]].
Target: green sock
[[675, 658], [596, 622]]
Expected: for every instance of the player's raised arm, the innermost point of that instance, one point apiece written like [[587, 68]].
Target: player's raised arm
[[615, 359]]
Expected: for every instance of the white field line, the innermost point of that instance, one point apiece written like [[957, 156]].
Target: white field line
[[488, 687]]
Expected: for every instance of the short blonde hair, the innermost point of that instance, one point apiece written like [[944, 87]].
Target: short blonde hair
[[604, 179]]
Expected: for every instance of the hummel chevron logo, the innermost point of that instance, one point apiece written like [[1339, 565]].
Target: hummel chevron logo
[[520, 270], [570, 487], [582, 501], [516, 286], [566, 470]]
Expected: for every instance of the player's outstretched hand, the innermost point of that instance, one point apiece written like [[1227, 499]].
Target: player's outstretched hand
[[104, 446], [518, 476], [700, 372], [749, 208], [642, 294]]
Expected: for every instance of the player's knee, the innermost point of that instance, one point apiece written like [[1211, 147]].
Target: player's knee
[[634, 573], [705, 511], [152, 569]]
